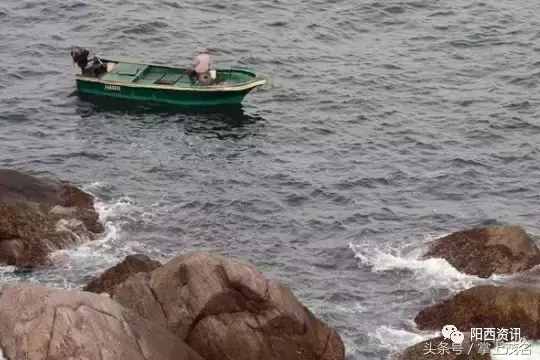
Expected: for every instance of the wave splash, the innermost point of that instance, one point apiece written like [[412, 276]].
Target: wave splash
[[395, 340], [74, 266], [433, 272]]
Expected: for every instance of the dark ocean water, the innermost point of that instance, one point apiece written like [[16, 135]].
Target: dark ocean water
[[387, 123]]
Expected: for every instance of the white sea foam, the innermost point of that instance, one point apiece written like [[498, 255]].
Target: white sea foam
[[427, 272], [395, 340], [112, 216], [7, 269], [91, 257], [355, 308], [88, 257], [7, 275], [123, 207], [92, 188], [323, 307]]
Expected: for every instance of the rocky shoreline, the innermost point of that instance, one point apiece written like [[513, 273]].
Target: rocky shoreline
[[205, 306], [39, 216], [495, 250], [197, 306]]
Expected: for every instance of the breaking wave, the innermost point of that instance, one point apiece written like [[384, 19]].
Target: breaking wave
[[395, 340], [434, 272], [74, 266]]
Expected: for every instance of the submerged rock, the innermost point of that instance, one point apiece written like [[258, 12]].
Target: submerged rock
[[433, 349], [487, 307], [38, 323], [225, 309], [38, 216], [132, 264], [487, 251]]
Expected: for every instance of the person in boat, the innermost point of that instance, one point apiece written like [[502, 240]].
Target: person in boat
[[203, 68]]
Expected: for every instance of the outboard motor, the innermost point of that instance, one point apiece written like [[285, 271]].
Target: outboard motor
[[80, 57], [89, 67]]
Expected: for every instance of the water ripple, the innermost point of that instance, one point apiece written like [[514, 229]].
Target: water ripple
[[387, 123]]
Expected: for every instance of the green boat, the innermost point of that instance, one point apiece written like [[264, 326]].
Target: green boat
[[163, 84]]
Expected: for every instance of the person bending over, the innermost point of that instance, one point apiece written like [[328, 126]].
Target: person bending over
[[202, 70]]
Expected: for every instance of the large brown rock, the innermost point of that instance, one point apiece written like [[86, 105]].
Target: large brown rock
[[487, 307], [38, 323], [225, 309], [38, 216], [487, 251], [132, 264], [429, 350]]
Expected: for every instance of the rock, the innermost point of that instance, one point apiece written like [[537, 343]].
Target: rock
[[225, 309], [487, 307], [39, 323], [132, 264], [422, 351], [487, 251], [38, 216]]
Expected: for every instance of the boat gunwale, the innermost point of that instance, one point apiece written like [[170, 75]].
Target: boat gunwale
[[257, 81]]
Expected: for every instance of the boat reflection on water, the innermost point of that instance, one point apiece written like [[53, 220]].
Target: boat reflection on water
[[230, 123], [222, 122]]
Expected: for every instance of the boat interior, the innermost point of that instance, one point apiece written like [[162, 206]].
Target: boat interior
[[161, 75]]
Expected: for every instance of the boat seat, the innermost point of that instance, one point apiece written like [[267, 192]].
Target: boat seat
[[169, 78], [126, 72], [128, 69]]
